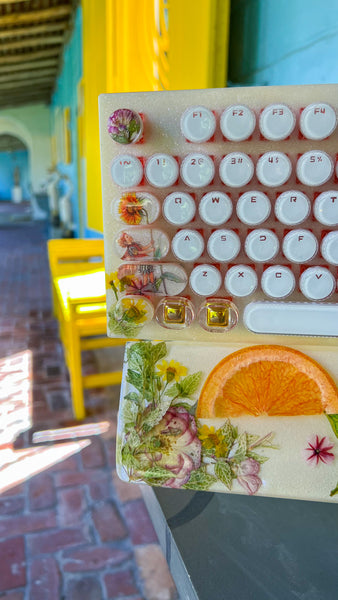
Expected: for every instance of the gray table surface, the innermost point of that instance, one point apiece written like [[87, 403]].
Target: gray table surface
[[229, 547]]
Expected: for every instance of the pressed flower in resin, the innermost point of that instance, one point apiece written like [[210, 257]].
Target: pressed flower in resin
[[179, 449], [172, 370], [319, 450], [131, 209], [125, 126], [247, 475]]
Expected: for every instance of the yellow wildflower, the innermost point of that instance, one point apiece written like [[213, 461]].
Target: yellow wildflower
[[205, 431], [112, 280], [172, 370], [213, 440], [134, 310]]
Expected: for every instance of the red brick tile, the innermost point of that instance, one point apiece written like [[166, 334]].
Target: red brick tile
[[108, 522], [93, 455], [69, 464], [111, 452], [99, 487], [13, 596], [86, 588], [71, 478], [12, 564], [13, 504], [14, 491], [139, 524], [41, 492], [94, 557], [22, 524], [53, 541], [71, 505], [45, 579], [126, 491], [120, 584]]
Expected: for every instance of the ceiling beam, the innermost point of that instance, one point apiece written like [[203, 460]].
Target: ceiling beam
[[32, 16], [38, 64], [30, 94], [30, 42], [27, 75], [28, 84], [32, 30], [10, 103], [28, 56], [28, 91], [11, 1]]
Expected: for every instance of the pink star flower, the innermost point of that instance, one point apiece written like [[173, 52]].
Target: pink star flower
[[318, 450]]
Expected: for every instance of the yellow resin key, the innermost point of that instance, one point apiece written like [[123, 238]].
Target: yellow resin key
[[174, 313], [217, 316]]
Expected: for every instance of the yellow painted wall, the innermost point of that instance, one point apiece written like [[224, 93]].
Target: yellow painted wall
[[95, 48], [144, 45]]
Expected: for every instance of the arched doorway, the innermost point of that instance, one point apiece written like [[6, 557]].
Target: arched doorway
[[14, 169]]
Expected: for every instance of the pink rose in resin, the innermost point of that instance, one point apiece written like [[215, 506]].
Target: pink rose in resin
[[247, 475], [178, 447]]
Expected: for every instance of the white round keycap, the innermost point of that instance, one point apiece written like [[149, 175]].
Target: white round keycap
[[326, 208], [273, 169], [292, 207], [241, 281], [329, 247], [223, 245], [317, 283], [277, 122], [278, 281], [126, 170], [318, 121], [161, 170], [253, 208], [236, 169], [205, 280], [197, 170], [198, 124], [314, 168], [215, 208], [261, 245], [187, 244], [179, 208], [300, 245], [237, 123]]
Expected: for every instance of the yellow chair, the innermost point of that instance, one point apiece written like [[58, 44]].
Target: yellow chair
[[69, 256], [80, 306]]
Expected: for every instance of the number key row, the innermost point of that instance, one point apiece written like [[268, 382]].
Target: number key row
[[236, 169]]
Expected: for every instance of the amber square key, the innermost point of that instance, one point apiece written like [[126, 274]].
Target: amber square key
[[174, 312], [217, 316]]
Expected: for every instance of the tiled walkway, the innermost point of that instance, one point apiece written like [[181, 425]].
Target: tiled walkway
[[69, 529]]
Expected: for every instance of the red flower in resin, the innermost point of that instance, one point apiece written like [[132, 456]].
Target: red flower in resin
[[318, 450]]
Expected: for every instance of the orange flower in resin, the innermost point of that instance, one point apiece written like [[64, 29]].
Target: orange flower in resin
[[131, 209]]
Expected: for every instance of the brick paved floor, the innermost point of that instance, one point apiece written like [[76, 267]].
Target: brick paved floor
[[69, 528]]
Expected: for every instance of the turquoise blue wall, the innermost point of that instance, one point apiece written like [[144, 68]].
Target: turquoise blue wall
[[65, 95], [9, 161], [282, 42]]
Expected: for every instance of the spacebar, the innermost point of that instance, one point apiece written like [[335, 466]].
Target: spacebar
[[292, 318]]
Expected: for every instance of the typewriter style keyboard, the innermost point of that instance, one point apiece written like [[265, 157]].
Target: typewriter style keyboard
[[221, 212]]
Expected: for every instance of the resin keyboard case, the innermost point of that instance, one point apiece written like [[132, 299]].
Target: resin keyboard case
[[220, 225], [199, 233]]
